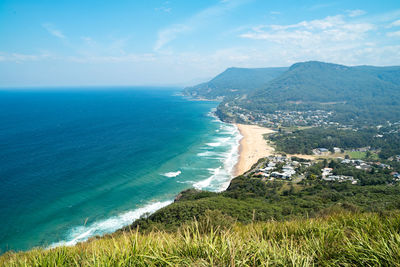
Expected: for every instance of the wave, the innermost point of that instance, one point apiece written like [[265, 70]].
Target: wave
[[218, 180], [210, 154], [83, 233], [172, 174], [213, 144], [221, 176]]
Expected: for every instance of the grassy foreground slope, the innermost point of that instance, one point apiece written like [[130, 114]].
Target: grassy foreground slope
[[253, 223], [340, 238]]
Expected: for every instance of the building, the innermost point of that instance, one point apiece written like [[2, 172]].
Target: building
[[320, 151], [326, 172], [337, 150], [340, 178]]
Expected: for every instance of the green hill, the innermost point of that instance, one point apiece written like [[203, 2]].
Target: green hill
[[233, 82], [325, 82], [362, 94]]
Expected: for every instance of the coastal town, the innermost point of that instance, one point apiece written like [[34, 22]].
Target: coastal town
[[294, 169], [282, 118], [299, 118]]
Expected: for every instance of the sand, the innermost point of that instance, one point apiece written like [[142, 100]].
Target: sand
[[253, 146]]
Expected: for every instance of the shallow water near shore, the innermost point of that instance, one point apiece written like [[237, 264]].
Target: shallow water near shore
[[75, 164]]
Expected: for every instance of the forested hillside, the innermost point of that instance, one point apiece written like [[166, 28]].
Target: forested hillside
[[356, 94], [234, 82]]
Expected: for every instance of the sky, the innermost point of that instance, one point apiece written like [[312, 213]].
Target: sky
[[181, 42]]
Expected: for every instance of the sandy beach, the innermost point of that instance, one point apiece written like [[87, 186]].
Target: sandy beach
[[253, 146]]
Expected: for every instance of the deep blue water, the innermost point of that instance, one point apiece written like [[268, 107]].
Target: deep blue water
[[74, 164]]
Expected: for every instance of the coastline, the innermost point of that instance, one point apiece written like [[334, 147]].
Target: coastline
[[252, 146], [112, 224]]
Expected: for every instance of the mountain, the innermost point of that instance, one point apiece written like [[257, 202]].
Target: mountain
[[325, 82], [361, 93], [233, 82]]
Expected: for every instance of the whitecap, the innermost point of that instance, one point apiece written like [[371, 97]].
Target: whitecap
[[221, 176], [213, 144], [83, 233], [172, 174], [210, 154]]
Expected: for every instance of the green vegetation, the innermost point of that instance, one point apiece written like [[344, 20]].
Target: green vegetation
[[334, 238], [249, 198], [362, 155], [274, 222], [357, 95], [304, 141], [252, 223], [233, 82]]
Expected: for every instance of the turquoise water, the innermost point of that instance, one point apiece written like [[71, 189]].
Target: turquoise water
[[78, 163]]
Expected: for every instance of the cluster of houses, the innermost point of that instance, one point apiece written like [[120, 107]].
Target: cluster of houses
[[296, 118], [282, 167], [279, 167], [395, 158], [328, 176], [366, 166], [358, 164], [362, 149], [283, 118], [396, 176], [324, 151]]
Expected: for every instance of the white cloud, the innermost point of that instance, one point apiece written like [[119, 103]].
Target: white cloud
[[20, 57], [167, 35], [393, 34], [356, 13], [315, 32], [201, 19], [395, 23], [53, 31]]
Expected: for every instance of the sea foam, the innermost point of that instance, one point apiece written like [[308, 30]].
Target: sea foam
[[220, 177], [83, 233], [172, 174]]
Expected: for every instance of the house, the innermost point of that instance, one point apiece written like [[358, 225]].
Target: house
[[340, 178], [363, 149], [337, 150], [326, 171], [271, 164], [364, 166], [320, 151], [384, 166], [282, 175]]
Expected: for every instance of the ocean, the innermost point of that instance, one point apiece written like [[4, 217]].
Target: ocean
[[75, 163]]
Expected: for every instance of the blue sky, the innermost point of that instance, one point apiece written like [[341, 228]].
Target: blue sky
[[132, 42]]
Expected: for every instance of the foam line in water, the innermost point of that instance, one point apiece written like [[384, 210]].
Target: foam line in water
[[210, 154], [83, 233], [172, 174], [213, 144], [220, 177]]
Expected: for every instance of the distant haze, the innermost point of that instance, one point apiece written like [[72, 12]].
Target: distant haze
[[64, 43]]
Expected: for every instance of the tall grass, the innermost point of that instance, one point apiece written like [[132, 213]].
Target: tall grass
[[339, 239]]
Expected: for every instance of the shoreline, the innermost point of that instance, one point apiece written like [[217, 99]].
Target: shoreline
[[94, 229], [252, 146]]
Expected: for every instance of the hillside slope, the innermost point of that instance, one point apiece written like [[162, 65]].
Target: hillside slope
[[362, 94], [233, 82], [325, 82], [345, 239]]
